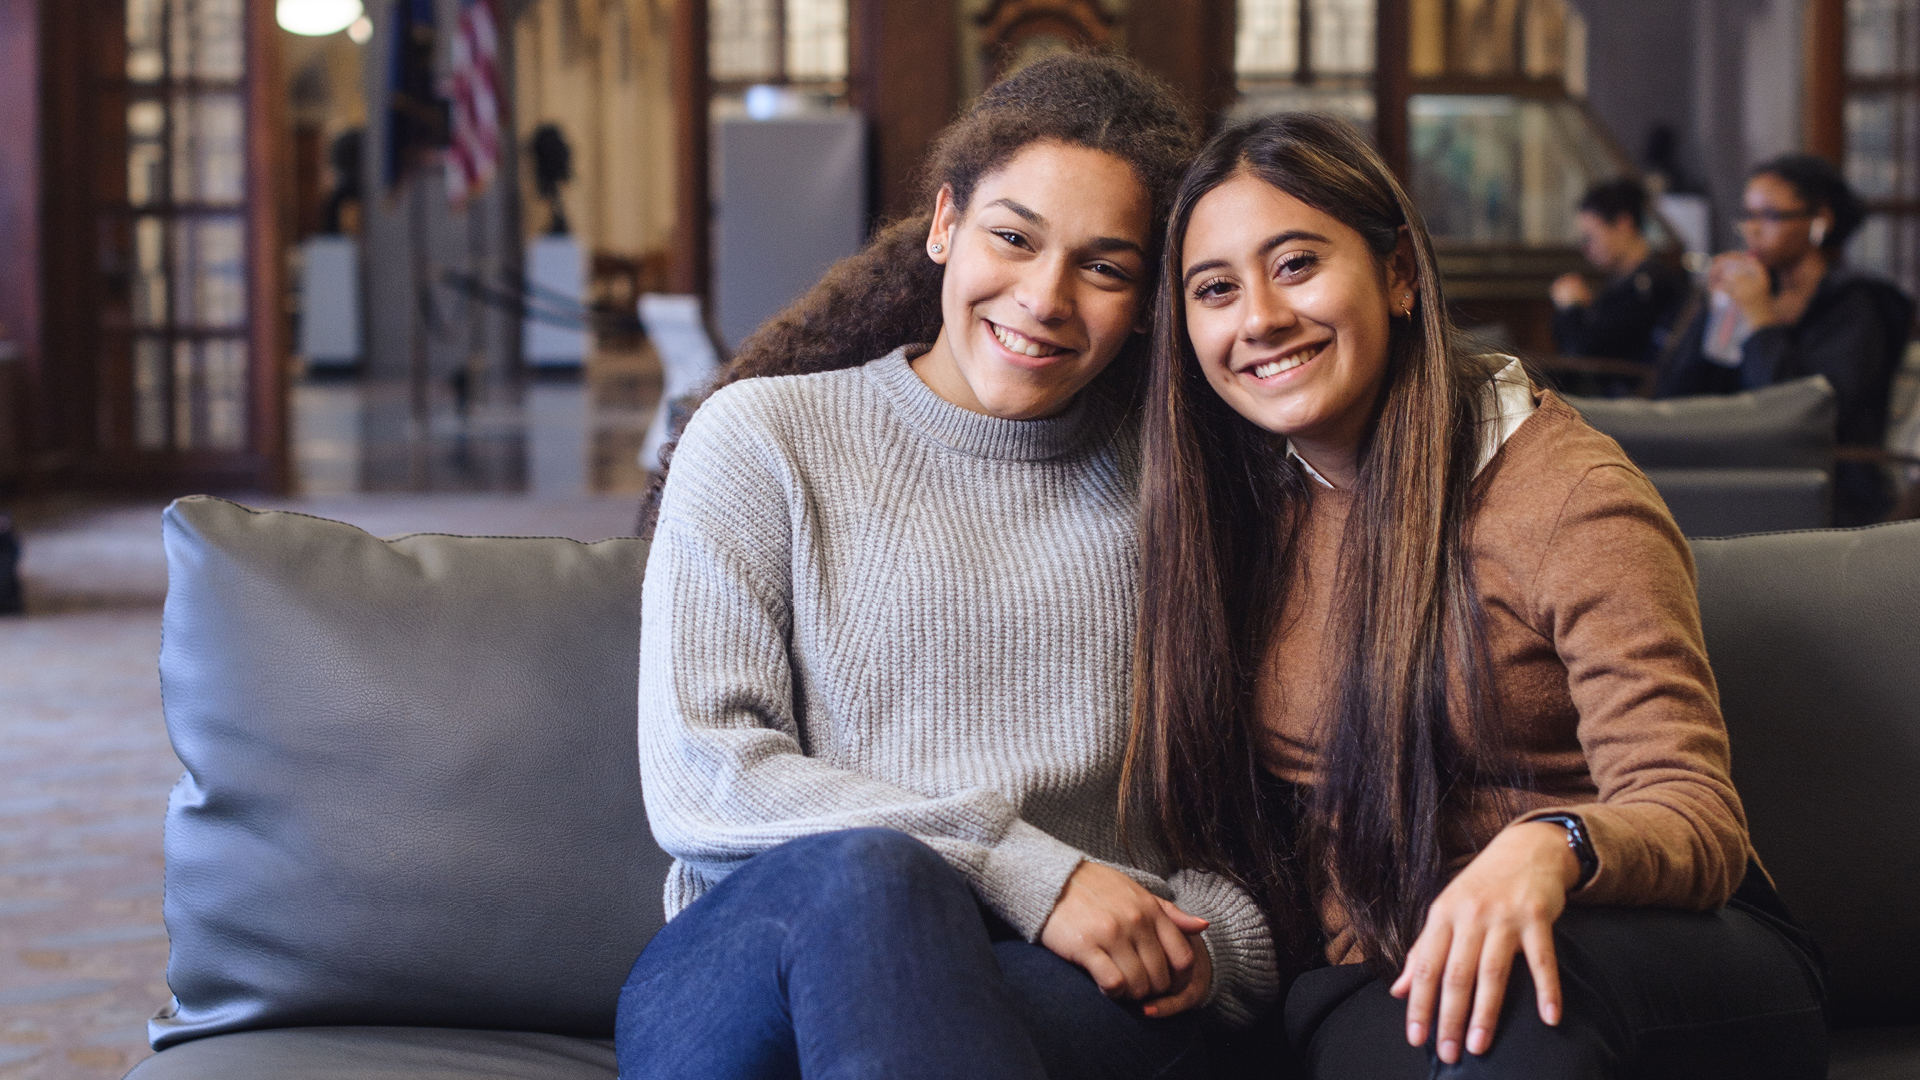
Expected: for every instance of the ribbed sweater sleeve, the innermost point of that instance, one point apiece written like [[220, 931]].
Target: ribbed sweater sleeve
[[806, 666], [1615, 591]]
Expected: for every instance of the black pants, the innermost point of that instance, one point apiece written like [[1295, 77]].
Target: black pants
[[1648, 994]]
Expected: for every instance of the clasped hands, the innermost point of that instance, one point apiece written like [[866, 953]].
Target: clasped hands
[[1136, 946], [1139, 947]]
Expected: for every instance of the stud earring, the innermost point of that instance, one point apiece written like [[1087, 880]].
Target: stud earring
[[937, 248]]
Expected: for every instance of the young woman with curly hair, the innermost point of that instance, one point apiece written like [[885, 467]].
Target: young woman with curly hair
[[1421, 666], [888, 617]]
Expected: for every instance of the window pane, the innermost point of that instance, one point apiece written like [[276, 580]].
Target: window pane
[[146, 154], [224, 376], [208, 39], [150, 272], [1267, 43], [1871, 167], [817, 39], [1342, 37], [210, 273], [149, 394], [185, 390], [1881, 37], [209, 149], [145, 62], [741, 45]]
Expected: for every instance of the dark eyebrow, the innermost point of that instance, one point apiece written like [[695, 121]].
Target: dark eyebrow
[[1272, 242], [1103, 244], [1114, 243], [1032, 218]]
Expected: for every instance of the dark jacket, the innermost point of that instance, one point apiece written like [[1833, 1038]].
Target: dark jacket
[[1631, 317], [1854, 332]]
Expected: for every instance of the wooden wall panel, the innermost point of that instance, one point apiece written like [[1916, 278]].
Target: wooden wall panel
[[904, 75], [1393, 84], [1189, 43], [62, 389], [19, 217], [1826, 74], [266, 175]]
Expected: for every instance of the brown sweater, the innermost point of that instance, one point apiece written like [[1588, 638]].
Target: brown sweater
[[1598, 669]]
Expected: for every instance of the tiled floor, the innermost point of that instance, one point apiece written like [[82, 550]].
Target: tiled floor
[[85, 766]]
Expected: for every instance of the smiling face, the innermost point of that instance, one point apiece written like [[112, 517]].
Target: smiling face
[[1045, 274], [1289, 312]]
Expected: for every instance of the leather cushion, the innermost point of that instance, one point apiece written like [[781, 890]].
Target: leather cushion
[[1815, 640], [1786, 426], [412, 794], [1727, 502], [377, 1053]]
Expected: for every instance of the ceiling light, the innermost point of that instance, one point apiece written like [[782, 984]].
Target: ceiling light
[[317, 18]]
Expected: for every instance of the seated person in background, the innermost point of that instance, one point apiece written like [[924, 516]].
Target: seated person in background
[[1786, 308], [1632, 315]]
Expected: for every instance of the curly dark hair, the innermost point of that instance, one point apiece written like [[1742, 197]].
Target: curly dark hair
[[888, 294]]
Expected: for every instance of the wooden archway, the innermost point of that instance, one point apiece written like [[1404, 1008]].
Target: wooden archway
[[1012, 29]]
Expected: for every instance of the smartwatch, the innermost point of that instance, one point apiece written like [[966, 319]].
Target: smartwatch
[[1580, 843]]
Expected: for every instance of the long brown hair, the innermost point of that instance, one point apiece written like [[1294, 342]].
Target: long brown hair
[[1221, 507], [888, 294]]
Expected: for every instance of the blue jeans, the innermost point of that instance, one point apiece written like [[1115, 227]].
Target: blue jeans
[[862, 954]]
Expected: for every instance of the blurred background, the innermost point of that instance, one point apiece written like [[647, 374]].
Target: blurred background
[[320, 246]]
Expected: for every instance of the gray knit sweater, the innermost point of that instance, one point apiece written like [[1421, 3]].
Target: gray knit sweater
[[866, 606]]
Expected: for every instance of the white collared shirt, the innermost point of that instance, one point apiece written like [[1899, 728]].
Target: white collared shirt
[[1505, 404]]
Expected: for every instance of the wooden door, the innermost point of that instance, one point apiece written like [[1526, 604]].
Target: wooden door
[[164, 365]]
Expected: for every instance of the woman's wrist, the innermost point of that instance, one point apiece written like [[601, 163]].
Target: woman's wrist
[[1569, 834]]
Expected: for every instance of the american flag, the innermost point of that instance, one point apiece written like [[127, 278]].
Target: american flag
[[475, 148]]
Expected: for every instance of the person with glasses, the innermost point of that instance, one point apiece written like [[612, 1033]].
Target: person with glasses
[[1787, 307]]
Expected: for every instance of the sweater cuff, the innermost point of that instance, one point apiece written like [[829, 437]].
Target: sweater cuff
[[1246, 974], [1024, 875]]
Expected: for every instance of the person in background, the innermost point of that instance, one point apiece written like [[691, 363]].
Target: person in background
[[1631, 317], [1787, 307]]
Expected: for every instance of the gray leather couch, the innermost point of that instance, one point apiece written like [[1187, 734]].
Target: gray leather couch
[[411, 844], [1729, 464]]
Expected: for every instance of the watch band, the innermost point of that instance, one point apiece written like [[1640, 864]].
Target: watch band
[[1580, 843]]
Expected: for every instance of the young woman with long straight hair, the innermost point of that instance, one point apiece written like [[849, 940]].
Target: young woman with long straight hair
[[1421, 665], [888, 616]]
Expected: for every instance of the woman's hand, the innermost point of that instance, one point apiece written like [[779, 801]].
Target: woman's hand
[[1504, 902], [1198, 980], [1133, 943], [1745, 281]]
